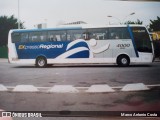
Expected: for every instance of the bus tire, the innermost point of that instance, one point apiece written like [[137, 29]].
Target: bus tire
[[41, 62], [123, 61]]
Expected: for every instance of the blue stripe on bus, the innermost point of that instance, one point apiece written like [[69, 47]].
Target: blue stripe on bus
[[51, 50], [81, 54], [133, 42]]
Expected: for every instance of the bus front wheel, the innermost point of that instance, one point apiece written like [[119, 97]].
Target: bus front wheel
[[41, 62], [123, 61]]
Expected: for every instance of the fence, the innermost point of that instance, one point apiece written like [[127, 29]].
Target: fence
[[3, 52]]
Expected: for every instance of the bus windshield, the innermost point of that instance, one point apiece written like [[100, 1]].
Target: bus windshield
[[142, 39]]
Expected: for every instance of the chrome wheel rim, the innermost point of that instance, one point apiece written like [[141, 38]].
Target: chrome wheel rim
[[124, 61], [41, 62]]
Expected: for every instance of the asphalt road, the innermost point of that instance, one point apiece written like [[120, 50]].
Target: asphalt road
[[80, 76]]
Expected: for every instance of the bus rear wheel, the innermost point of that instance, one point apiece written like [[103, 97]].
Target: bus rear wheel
[[123, 61], [41, 62]]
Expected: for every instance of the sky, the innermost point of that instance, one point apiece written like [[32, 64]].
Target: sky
[[54, 12]]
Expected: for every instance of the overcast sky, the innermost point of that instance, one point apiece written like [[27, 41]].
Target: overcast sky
[[33, 12]]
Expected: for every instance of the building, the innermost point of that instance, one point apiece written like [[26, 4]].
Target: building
[[75, 23]]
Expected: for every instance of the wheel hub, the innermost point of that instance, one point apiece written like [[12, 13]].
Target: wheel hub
[[124, 61], [41, 62]]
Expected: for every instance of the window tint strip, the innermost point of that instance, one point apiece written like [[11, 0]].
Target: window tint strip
[[133, 42]]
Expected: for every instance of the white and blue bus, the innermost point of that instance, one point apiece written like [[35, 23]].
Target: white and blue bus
[[116, 44]]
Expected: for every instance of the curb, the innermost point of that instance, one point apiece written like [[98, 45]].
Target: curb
[[100, 88], [25, 88], [3, 60], [3, 88], [63, 89], [135, 87], [71, 89]]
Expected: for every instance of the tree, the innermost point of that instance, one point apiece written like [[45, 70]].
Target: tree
[[155, 24], [7, 23], [134, 22]]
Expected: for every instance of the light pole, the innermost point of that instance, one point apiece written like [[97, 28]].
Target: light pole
[[121, 22], [115, 18], [18, 16], [128, 16], [45, 23]]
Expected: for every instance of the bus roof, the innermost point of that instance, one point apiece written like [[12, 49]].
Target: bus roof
[[73, 27], [46, 29]]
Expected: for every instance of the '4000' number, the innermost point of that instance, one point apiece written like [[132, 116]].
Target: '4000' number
[[123, 45]]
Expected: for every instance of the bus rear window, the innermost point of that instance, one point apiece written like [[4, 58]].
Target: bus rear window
[[19, 37], [16, 37]]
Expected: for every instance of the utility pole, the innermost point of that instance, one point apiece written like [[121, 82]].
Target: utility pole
[[18, 16], [115, 18], [121, 22], [127, 16]]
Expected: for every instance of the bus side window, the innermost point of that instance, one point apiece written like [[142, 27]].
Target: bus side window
[[86, 35], [63, 36], [106, 35], [53, 38], [97, 33], [118, 33], [113, 33], [43, 36], [37, 37], [74, 35], [24, 37], [32, 37], [56, 36]]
